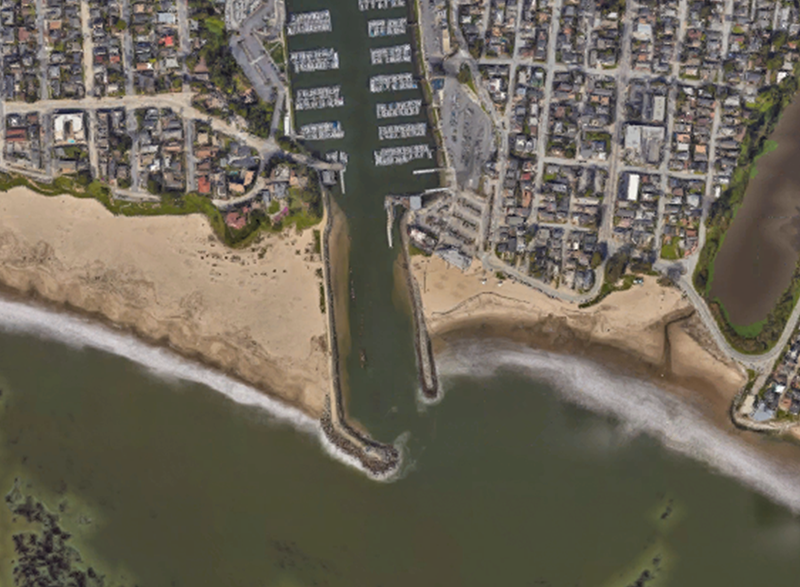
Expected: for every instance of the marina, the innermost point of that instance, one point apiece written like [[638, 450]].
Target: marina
[[322, 131], [402, 131], [364, 5], [396, 82], [314, 60], [398, 109], [337, 157], [390, 55], [389, 27], [319, 98], [304, 23], [401, 155], [547, 443]]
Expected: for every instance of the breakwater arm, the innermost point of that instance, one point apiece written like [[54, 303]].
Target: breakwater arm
[[380, 460], [426, 363]]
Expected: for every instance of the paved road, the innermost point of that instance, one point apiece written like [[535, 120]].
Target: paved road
[[758, 362], [180, 103], [622, 72], [91, 144], [43, 54], [183, 35], [189, 151], [251, 55], [127, 48], [133, 130], [88, 48]]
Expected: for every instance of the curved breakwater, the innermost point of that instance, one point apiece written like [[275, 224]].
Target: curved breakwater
[[639, 406], [78, 332]]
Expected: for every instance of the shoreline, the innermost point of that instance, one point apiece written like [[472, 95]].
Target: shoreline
[[37, 302], [28, 318], [651, 333], [239, 372], [253, 315], [637, 407], [171, 283]]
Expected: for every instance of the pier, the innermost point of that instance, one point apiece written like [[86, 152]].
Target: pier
[[399, 109], [396, 82], [390, 27], [380, 460], [402, 155], [402, 131], [319, 98], [321, 131], [390, 55], [314, 60], [304, 23], [426, 365]]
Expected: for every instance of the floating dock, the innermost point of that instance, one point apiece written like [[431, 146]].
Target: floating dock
[[364, 5], [395, 82], [389, 27], [402, 131], [318, 98], [398, 109], [314, 60], [322, 131], [390, 55], [304, 23], [401, 155]]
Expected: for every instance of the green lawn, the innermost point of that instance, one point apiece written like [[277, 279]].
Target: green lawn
[[671, 251]]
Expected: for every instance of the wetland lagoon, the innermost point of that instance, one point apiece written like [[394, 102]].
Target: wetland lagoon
[[756, 262], [535, 469]]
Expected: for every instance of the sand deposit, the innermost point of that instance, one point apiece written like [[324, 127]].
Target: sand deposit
[[254, 313], [628, 328]]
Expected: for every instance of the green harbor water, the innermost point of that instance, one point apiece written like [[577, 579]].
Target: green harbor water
[[506, 482]]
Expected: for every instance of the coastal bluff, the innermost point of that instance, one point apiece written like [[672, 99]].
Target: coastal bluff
[[253, 313]]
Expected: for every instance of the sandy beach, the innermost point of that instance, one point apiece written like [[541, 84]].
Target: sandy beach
[[647, 331], [254, 313]]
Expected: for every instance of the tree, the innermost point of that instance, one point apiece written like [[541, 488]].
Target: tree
[[616, 266]]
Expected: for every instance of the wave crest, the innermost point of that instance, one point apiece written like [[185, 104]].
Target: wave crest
[[640, 407]]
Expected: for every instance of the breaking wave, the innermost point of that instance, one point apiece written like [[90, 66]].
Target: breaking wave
[[640, 407], [77, 332]]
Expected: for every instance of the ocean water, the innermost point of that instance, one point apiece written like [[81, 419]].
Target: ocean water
[[536, 469]]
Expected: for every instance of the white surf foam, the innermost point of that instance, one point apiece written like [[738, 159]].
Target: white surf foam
[[79, 332], [639, 405]]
